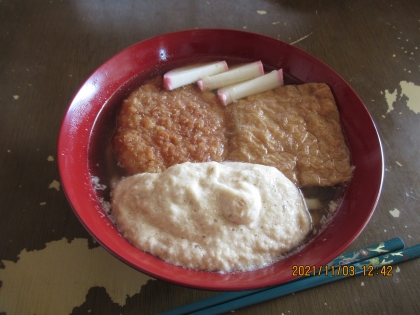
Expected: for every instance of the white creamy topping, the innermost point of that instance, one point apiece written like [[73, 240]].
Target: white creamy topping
[[212, 216]]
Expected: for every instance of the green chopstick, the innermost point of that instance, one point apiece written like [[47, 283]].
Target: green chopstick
[[366, 253], [377, 265]]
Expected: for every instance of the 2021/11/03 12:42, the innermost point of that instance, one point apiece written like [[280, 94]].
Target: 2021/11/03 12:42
[[341, 270]]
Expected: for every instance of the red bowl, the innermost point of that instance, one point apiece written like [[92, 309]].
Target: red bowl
[[83, 148]]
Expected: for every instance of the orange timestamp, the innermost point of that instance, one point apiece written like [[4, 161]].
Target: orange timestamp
[[370, 271], [341, 270], [307, 270]]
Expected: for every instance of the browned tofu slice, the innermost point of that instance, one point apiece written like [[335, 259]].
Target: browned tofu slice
[[295, 128]]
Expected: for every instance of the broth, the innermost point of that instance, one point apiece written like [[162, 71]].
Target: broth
[[105, 171]]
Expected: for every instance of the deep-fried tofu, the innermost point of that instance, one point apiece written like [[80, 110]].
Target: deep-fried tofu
[[295, 128]]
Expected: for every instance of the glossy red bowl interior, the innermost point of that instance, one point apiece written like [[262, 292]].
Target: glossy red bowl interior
[[87, 128]]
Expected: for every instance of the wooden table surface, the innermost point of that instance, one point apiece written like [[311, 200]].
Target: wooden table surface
[[49, 264]]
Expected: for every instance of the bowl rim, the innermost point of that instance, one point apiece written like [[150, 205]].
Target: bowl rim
[[80, 176]]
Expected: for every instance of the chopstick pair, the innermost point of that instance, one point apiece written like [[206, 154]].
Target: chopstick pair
[[372, 260]]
